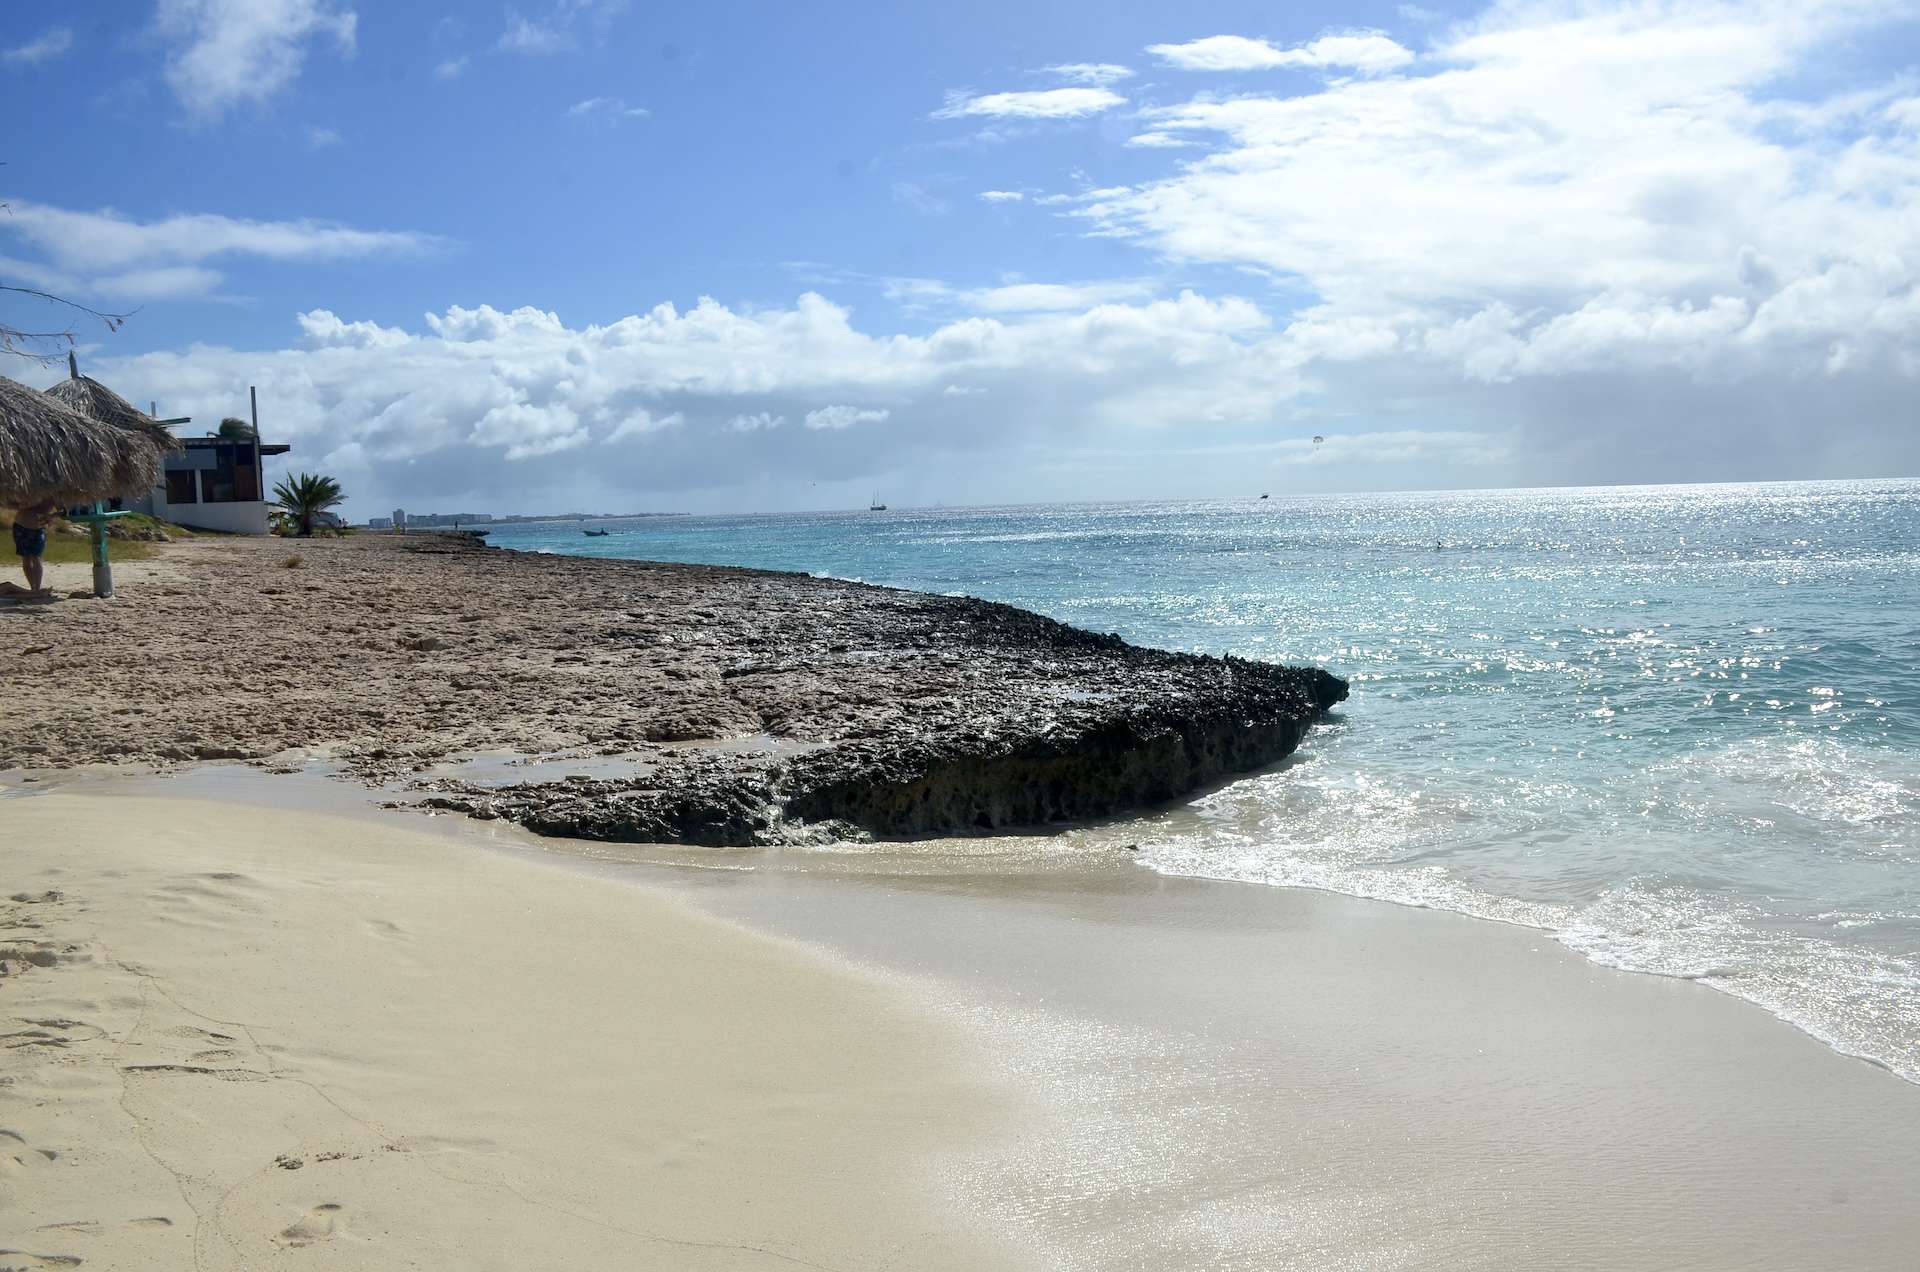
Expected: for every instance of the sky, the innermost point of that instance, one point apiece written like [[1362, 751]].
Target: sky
[[606, 255]]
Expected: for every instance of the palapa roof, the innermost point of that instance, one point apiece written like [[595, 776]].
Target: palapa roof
[[50, 450], [90, 397]]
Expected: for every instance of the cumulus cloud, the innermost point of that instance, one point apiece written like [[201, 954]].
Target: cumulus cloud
[[1046, 103], [1098, 74], [1368, 52], [1582, 190], [49, 44], [229, 52], [488, 399], [1001, 196], [1159, 141]]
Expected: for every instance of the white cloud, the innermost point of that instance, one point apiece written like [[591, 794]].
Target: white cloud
[[166, 282], [1159, 141], [838, 417], [451, 68], [111, 253], [323, 329], [608, 109], [523, 36], [49, 44], [1001, 196], [1046, 103], [229, 52], [918, 294], [639, 423], [1592, 189], [319, 138], [476, 395], [1098, 74], [556, 29], [524, 431], [1368, 52]]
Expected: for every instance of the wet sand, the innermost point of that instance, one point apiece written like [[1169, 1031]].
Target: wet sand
[[977, 1054]]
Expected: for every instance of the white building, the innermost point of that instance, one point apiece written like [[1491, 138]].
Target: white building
[[214, 483]]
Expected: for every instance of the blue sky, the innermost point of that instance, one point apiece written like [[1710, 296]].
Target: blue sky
[[726, 256]]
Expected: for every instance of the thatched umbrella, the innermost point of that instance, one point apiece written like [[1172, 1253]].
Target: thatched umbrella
[[48, 450], [92, 398]]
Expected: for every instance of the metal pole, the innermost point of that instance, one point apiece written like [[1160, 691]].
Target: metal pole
[[259, 460], [102, 570]]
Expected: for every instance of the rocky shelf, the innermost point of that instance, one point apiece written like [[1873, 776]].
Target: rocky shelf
[[724, 706]]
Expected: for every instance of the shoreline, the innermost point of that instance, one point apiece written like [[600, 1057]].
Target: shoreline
[[1197, 1073]]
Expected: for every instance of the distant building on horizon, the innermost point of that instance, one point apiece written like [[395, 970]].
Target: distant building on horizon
[[399, 518], [379, 523]]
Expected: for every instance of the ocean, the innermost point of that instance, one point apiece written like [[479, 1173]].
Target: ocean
[[1678, 727]]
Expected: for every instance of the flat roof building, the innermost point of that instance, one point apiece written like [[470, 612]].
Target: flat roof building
[[215, 483]]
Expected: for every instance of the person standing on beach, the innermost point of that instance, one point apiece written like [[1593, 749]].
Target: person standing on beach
[[30, 540]]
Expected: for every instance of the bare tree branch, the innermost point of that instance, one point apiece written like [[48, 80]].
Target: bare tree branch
[[45, 346]]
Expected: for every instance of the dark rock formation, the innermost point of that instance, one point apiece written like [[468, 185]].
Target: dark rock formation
[[707, 705]]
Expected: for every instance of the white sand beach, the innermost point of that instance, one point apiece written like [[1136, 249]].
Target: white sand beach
[[241, 1037], [238, 1038]]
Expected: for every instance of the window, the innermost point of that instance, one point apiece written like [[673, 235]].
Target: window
[[181, 488], [233, 479]]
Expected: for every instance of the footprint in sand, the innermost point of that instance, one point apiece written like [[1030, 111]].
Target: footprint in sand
[[225, 1075], [319, 1223], [16, 1155], [55, 1032]]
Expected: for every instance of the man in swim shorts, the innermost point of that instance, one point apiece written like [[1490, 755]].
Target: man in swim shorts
[[30, 539]]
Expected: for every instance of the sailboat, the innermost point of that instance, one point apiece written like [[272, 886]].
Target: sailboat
[[874, 505]]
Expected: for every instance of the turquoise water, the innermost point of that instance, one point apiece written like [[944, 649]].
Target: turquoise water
[[1678, 727]]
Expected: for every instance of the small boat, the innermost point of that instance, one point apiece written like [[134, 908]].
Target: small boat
[[874, 505], [1263, 496], [596, 534]]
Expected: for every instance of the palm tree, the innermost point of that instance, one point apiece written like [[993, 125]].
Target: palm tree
[[304, 496], [235, 429]]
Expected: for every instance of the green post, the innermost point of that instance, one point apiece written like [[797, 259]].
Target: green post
[[102, 569]]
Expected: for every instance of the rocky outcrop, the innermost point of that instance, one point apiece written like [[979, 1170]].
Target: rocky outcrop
[[1072, 725], [694, 704]]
